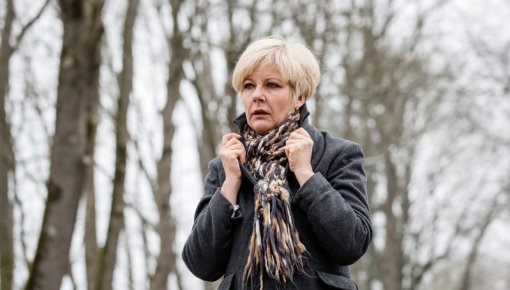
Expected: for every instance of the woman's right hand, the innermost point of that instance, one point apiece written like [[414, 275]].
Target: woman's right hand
[[232, 151]]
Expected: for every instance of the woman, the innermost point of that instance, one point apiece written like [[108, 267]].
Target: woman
[[285, 205]]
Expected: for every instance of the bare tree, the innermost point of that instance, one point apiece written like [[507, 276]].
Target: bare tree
[[7, 155], [108, 256], [7, 159], [494, 61], [218, 107], [384, 91], [317, 24], [166, 227], [77, 94], [485, 222]]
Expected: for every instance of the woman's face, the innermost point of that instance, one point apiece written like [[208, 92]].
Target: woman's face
[[267, 99]]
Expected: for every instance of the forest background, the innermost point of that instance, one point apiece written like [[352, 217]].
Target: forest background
[[110, 111]]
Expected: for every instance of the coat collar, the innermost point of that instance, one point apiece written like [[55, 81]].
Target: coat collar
[[318, 146]]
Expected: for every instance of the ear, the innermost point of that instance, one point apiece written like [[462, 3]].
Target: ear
[[299, 102]]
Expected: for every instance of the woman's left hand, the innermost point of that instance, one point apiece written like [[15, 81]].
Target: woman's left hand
[[299, 153]]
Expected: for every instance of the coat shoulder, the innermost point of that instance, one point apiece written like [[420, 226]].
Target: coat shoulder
[[330, 146], [341, 144]]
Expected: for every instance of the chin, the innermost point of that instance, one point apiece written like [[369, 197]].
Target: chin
[[262, 128], [260, 131], [262, 125]]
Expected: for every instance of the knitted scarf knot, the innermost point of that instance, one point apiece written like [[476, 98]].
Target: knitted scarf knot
[[275, 248]]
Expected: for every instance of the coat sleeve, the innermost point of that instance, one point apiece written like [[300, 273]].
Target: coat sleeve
[[337, 207], [207, 249]]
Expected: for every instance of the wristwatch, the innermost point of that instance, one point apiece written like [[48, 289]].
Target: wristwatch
[[236, 210]]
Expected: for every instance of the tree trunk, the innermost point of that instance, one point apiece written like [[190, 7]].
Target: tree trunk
[[166, 228], [230, 93], [208, 137], [393, 252], [492, 211], [91, 249], [108, 256], [7, 158], [210, 129], [6, 228], [77, 93], [89, 192]]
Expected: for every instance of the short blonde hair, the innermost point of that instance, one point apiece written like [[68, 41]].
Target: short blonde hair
[[294, 61]]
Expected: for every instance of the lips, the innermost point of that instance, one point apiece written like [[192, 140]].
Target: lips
[[259, 112]]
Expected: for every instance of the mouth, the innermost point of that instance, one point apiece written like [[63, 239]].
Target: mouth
[[259, 112]]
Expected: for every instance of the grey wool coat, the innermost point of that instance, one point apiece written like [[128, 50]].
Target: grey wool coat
[[330, 212]]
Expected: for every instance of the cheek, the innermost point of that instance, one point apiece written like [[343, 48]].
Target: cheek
[[284, 110], [246, 103], [288, 106]]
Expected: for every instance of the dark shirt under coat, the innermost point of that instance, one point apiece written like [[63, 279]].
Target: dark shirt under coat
[[330, 212]]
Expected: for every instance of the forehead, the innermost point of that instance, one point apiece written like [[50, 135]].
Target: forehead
[[265, 72]]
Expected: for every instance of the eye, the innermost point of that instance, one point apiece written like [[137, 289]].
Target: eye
[[272, 85], [248, 86]]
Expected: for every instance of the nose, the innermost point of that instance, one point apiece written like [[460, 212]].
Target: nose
[[258, 94]]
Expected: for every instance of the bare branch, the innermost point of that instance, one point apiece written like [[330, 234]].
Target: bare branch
[[29, 24]]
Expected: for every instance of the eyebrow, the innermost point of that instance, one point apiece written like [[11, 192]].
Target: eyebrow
[[266, 79]]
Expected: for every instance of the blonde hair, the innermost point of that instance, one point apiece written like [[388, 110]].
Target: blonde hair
[[294, 61]]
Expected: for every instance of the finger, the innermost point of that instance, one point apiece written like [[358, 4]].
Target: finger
[[303, 132], [300, 139], [239, 147], [243, 157], [292, 151], [289, 149], [224, 140], [233, 143], [231, 156], [299, 133], [238, 155], [229, 136], [298, 142], [296, 136], [232, 146], [292, 141]]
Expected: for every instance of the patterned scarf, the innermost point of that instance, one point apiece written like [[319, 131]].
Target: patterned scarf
[[275, 248]]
